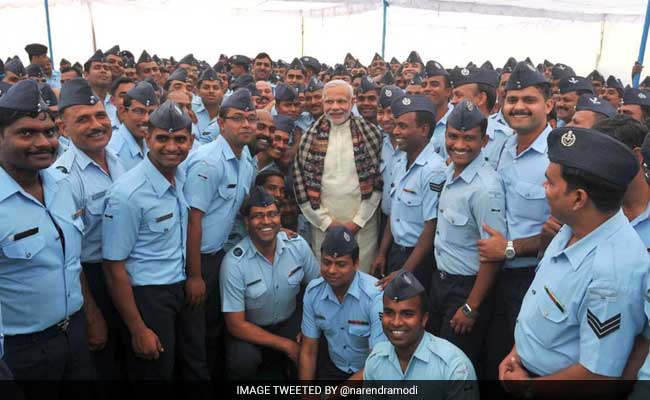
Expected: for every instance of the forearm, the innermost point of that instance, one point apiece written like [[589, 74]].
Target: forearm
[[91, 309], [119, 287], [386, 240], [422, 248], [527, 247], [194, 237], [367, 209], [251, 333], [485, 279], [319, 218], [307, 360]]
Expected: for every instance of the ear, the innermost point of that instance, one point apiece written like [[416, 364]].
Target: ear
[[580, 201], [222, 123], [481, 99], [425, 319], [60, 124], [638, 155], [484, 139]]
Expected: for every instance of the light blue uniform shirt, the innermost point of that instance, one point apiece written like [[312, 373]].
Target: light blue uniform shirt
[[208, 129], [55, 80], [216, 185], [351, 328], [145, 223], [498, 133], [585, 304], [2, 336], [473, 198], [89, 183], [414, 198], [389, 155], [435, 359], [111, 110], [304, 121], [64, 143], [644, 372], [523, 178], [39, 282], [641, 225], [266, 291], [124, 146], [438, 137]]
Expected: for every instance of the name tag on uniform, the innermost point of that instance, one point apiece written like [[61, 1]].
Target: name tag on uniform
[[231, 185], [23, 235], [293, 271], [254, 282], [164, 217], [98, 195], [357, 322]]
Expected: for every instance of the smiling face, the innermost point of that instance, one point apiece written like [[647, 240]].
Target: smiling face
[[338, 272], [136, 118], [337, 104], [566, 106], [29, 144], [404, 321], [525, 110], [168, 149], [464, 146], [410, 137], [263, 223], [87, 126]]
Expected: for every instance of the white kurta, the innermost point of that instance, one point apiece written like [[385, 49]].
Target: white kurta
[[341, 198]]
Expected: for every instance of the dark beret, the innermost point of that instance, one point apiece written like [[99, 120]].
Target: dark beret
[[593, 152], [77, 92], [387, 78], [465, 116], [314, 84], [311, 62], [242, 81], [595, 104], [478, 76], [614, 83], [338, 242], [189, 60], [560, 71], [179, 74], [16, 66], [523, 76], [239, 59], [35, 49], [48, 94], [487, 66], [23, 96], [403, 287], [340, 70], [596, 76], [367, 84], [284, 92], [296, 64], [414, 57], [388, 94], [394, 61], [241, 100], [209, 74], [34, 70], [376, 57], [98, 56], [645, 82], [170, 117], [412, 103], [144, 93], [284, 123], [636, 96], [144, 57], [575, 84], [509, 66], [115, 51]]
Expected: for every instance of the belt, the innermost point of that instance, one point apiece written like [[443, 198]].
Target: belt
[[60, 327], [214, 254], [444, 276], [403, 249], [519, 271]]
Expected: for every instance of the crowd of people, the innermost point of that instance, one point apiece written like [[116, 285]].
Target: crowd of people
[[164, 219]]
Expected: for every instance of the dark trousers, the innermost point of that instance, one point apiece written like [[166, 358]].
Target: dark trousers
[[509, 290], [448, 294], [108, 362], [212, 326], [397, 256], [163, 310], [326, 370], [246, 360]]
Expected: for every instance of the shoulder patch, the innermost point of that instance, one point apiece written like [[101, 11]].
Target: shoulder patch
[[315, 283], [237, 252], [436, 187], [603, 328]]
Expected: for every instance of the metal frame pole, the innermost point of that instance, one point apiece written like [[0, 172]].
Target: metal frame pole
[[49, 31], [644, 39], [383, 34]]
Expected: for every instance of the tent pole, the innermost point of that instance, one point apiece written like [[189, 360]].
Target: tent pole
[[644, 39], [383, 33], [302, 34], [49, 31]]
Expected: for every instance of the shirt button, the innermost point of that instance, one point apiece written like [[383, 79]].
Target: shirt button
[[546, 313], [345, 347], [342, 328], [397, 219], [277, 286], [534, 292], [28, 255]]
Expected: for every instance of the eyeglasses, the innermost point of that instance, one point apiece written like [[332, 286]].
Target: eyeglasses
[[140, 111], [240, 119], [261, 126]]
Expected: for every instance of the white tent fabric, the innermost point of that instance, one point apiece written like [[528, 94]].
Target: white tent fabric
[[585, 34]]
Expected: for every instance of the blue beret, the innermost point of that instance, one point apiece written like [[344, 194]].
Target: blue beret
[[114, 51], [509, 66], [35, 49], [387, 79], [284, 92], [415, 80], [209, 75], [97, 57], [478, 76], [595, 104], [240, 100], [614, 83], [314, 85], [34, 70], [4, 86], [170, 117], [575, 84], [645, 150], [338, 242], [16, 66], [487, 66], [376, 57], [412, 103], [367, 84], [128, 62], [144, 93], [465, 116], [596, 76], [258, 198], [144, 57], [242, 81], [645, 82], [394, 61], [311, 62], [23, 96], [340, 70], [414, 58], [284, 123], [77, 92], [180, 74], [239, 59], [188, 60], [403, 287], [560, 71], [296, 64], [434, 68], [523, 76], [388, 94], [593, 152], [636, 96], [48, 94]]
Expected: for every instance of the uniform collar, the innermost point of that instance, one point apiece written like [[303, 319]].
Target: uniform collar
[[158, 181], [225, 148], [425, 155], [469, 172], [577, 252], [540, 144], [421, 352], [279, 245], [354, 290], [641, 217], [443, 120], [127, 136], [82, 158], [198, 102], [9, 186]]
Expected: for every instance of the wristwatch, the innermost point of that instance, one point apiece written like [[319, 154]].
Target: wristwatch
[[510, 250], [468, 312]]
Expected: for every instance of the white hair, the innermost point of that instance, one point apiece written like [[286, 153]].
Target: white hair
[[338, 83]]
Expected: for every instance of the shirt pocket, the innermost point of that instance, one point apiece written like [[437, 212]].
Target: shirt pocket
[[359, 336], [412, 207], [529, 196], [455, 229], [163, 223], [24, 249], [549, 320], [254, 294], [95, 203], [295, 275], [227, 193]]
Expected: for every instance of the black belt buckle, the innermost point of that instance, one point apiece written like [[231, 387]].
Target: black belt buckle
[[63, 325]]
